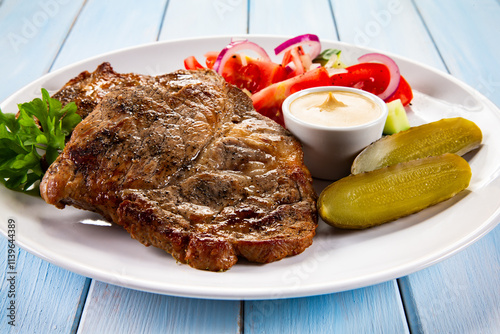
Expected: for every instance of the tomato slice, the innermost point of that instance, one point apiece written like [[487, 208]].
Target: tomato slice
[[190, 63], [243, 71], [373, 78], [370, 77], [403, 92], [268, 101], [211, 57], [252, 74]]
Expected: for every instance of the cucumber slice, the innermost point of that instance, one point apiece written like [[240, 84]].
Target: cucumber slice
[[396, 119]]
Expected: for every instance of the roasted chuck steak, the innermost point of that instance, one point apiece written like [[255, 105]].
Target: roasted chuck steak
[[185, 163]]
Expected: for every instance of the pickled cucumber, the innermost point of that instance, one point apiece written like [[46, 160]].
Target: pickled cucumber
[[376, 197], [449, 135]]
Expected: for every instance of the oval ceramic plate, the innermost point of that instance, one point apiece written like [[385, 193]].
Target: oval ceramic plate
[[337, 260]]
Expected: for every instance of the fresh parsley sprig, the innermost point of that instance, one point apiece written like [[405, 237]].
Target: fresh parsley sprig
[[31, 140]]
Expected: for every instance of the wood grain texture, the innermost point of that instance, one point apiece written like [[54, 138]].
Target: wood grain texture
[[47, 299], [391, 26], [375, 309], [466, 34], [193, 18], [105, 26], [112, 309], [292, 18], [461, 294], [31, 33]]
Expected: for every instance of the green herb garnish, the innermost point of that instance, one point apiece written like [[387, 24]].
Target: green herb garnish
[[32, 140], [329, 58]]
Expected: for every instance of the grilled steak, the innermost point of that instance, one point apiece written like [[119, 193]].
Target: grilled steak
[[187, 165], [87, 89]]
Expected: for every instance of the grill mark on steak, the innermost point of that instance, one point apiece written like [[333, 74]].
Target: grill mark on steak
[[236, 186]]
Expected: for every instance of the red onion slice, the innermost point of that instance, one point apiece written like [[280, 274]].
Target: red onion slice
[[393, 70], [309, 39], [234, 47]]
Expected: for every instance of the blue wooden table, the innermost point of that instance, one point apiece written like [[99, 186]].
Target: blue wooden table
[[458, 295]]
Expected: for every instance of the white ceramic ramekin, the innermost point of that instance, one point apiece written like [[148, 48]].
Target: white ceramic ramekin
[[329, 151]]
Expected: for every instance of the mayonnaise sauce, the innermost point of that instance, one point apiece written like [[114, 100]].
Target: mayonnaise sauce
[[336, 109]]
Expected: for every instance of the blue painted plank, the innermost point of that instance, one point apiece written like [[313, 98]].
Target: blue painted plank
[[391, 26], [43, 298], [104, 26], [48, 299], [31, 33], [466, 34], [292, 17], [112, 309], [459, 295], [193, 18], [367, 310]]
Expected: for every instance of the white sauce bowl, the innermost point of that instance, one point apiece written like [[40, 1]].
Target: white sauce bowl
[[329, 150]]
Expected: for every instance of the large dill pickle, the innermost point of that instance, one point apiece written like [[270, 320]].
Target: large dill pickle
[[449, 135], [376, 197]]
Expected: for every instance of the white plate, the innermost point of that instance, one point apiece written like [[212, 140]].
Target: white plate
[[337, 260]]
